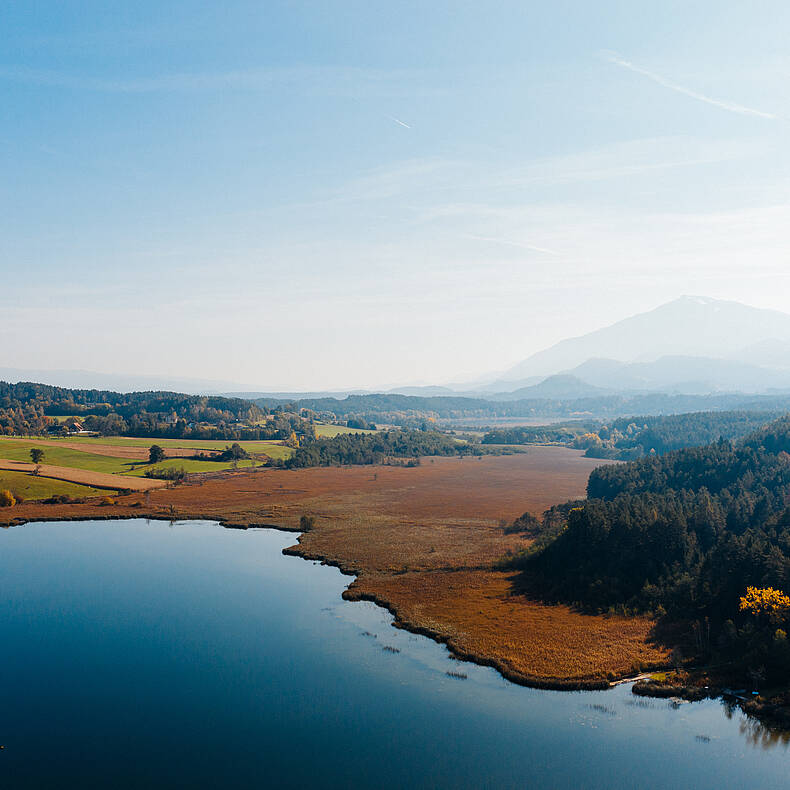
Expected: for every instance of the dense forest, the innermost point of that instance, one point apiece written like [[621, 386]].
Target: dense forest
[[377, 448], [628, 438], [32, 409], [413, 411], [683, 534], [565, 433]]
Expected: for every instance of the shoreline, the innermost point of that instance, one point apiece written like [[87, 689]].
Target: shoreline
[[422, 543], [351, 595], [767, 713]]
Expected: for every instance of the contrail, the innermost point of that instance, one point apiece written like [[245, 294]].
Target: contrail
[[395, 120], [613, 57]]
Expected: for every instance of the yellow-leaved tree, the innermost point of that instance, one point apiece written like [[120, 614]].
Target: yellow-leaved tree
[[764, 600]]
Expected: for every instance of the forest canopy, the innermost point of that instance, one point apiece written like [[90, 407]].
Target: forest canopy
[[628, 438], [379, 448], [685, 534]]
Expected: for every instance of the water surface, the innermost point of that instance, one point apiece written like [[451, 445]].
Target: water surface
[[138, 654]]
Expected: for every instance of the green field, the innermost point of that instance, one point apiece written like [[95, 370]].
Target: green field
[[78, 459], [65, 456], [276, 451], [190, 466], [32, 487], [262, 446]]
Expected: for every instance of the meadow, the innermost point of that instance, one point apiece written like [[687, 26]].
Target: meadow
[[65, 456], [32, 487], [191, 466], [192, 445], [477, 614], [122, 455]]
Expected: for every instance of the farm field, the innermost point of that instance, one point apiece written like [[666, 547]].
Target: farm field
[[193, 467], [326, 431], [190, 444], [84, 476], [33, 487], [425, 542], [65, 456], [102, 456], [187, 445]]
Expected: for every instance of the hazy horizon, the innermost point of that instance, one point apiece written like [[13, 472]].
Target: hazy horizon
[[304, 197], [707, 330]]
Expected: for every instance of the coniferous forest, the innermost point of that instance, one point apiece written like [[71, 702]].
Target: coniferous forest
[[682, 535]]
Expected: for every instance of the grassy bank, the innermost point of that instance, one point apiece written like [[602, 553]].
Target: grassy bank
[[33, 488]]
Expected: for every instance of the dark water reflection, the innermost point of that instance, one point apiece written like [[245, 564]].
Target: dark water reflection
[[763, 736], [142, 655]]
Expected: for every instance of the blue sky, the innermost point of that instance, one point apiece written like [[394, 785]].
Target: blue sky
[[312, 195]]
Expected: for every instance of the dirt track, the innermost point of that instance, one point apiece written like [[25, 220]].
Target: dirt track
[[86, 477]]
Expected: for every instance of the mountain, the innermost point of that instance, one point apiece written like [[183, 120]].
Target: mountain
[[558, 387], [689, 375], [418, 391], [691, 326], [768, 353]]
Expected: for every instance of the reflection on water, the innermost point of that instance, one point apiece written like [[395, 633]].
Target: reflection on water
[[763, 735], [137, 655]]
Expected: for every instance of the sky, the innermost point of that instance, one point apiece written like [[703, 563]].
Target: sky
[[293, 195]]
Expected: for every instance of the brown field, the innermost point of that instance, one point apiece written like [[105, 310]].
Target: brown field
[[84, 476], [478, 616], [424, 542], [112, 450]]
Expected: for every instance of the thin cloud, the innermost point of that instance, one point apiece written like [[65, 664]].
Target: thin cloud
[[613, 57], [343, 81], [519, 245]]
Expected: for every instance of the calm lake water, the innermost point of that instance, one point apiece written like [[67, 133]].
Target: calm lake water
[[144, 655]]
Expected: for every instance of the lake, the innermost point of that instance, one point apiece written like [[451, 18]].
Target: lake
[[142, 654]]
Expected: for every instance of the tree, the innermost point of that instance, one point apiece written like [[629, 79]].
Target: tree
[[36, 455], [235, 452], [306, 523], [764, 601], [7, 499], [155, 454]]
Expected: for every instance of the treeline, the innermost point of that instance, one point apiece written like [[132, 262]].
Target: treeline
[[59, 401], [558, 433], [31, 409], [413, 410], [377, 448], [280, 426], [406, 411], [629, 438], [683, 534]]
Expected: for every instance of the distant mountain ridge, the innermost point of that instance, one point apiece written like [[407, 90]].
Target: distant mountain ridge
[[692, 345], [691, 326], [691, 375]]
